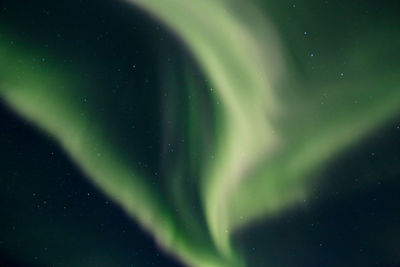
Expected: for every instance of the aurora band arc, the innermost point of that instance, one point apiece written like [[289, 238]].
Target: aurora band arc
[[30, 94], [240, 52], [257, 170]]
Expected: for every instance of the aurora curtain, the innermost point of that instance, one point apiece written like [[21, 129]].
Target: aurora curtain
[[208, 121]]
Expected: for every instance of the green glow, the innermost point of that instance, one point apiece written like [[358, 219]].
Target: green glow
[[233, 55], [273, 129]]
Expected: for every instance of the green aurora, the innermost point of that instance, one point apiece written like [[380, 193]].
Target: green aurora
[[275, 105]]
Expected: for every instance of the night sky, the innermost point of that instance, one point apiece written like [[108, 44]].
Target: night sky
[[199, 133]]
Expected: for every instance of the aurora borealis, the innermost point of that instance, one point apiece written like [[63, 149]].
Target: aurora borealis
[[208, 124]]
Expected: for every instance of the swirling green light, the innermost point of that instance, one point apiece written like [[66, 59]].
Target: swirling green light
[[271, 133]]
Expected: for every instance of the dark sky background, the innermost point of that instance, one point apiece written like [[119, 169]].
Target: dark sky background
[[50, 215]]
